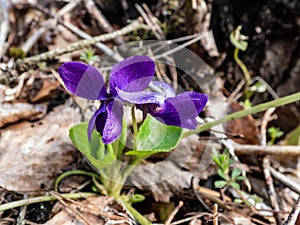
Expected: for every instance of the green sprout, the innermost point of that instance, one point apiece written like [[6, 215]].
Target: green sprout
[[257, 87], [274, 132], [240, 43], [89, 56], [229, 178]]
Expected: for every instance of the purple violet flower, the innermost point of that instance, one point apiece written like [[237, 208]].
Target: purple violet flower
[[176, 110], [127, 83]]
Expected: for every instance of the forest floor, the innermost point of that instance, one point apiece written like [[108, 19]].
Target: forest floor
[[36, 111]]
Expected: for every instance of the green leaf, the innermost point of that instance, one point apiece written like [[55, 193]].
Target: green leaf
[[136, 198], [241, 178], [293, 137], [237, 200], [235, 173], [220, 183], [234, 185], [258, 87], [238, 40], [94, 151], [222, 174], [154, 137]]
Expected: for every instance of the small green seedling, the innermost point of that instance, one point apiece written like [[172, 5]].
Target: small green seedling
[[229, 178], [89, 56], [274, 132]]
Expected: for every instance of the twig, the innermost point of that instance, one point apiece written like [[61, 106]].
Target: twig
[[173, 214], [264, 124], [32, 40], [70, 209], [255, 109], [102, 21], [292, 218], [22, 214], [199, 215], [102, 47], [271, 189], [159, 34], [46, 25], [154, 22], [182, 46], [195, 188], [234, 95], [32, 61], [215, 214], [286, 181], [266, 150], [93, 208], [149, 22], [15, 204], [269, 88]]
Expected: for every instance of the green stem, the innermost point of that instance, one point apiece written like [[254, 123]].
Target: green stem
[[255, 109], [140, 219], [135, 127], [243, 67], [72, 173], [11, 205]]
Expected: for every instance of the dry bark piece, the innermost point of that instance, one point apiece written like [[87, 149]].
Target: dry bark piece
[[32, 154], [11, 112], [49, 87]]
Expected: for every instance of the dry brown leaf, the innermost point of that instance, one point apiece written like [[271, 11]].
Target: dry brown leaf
[[31, 154], [164, 179], [11, 112], [49, 87], [244, 126]]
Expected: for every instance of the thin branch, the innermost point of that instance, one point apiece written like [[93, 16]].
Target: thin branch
[[102, 21], [174, 212], [46, 198], [271, 189], [263, 129], [32, 61], [266, 150], [291, 220], [285, 180], [73, 212]]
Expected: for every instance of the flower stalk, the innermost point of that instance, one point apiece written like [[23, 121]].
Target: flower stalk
[[255, 109], [134, 127]]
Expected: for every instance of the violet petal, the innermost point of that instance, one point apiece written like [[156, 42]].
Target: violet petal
[[132, 74], [101, 112], [166, 88], [109, 124], [140, 97], [83, 80], [181, 110]]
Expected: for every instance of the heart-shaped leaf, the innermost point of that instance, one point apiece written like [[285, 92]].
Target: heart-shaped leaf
[[94, 151], [154, 137]]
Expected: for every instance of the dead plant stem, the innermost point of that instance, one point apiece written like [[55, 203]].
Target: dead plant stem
[[34, 60]]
